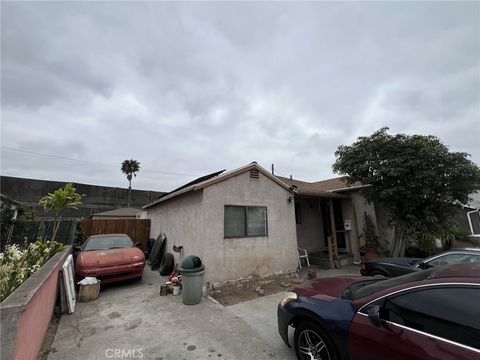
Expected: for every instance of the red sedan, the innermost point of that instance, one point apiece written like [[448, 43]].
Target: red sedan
[[110, 258], [432, 314]]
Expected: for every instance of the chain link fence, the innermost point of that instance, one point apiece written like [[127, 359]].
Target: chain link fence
[[23, 232]]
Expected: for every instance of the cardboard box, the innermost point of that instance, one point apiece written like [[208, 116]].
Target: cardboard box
[[88, 292]]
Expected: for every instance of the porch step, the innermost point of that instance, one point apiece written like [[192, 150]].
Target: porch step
[[320, 259]]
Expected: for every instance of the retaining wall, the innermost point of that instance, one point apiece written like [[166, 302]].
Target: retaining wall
[[26, 313]]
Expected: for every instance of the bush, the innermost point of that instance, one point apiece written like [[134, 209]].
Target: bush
[[372, 241], [16, 264]]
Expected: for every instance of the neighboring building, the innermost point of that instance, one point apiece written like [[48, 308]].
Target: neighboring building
[[97, 198], [240, 223], [469, 217], [122, 213]]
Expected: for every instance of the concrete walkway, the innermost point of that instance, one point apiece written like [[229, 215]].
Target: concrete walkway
[[261, 313]]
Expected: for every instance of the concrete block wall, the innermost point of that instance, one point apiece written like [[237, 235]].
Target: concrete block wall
[[27, 312]]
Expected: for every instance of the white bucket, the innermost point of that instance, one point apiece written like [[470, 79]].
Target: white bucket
[[176, 290]]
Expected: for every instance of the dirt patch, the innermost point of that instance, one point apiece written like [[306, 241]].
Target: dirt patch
[[237, 295], [49, 336]]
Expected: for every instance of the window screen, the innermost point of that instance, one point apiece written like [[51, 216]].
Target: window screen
[[234, 221], [243, 221], [256, 221]]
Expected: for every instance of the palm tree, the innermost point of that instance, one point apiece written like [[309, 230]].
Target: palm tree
[[129, 168]]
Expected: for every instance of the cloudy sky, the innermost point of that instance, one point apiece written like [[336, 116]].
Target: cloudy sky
[[190, 88]]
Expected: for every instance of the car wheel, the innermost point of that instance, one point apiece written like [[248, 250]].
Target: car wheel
[[311, 342], [378, 273], [166, 267]]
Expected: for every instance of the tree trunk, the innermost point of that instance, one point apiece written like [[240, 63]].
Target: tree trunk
[[129, 192], [56, 226]]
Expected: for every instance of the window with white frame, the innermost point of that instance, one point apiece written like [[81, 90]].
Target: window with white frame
[[245, 221]]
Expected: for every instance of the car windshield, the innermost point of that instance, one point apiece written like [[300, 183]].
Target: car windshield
[[389, 283], [107, 242]]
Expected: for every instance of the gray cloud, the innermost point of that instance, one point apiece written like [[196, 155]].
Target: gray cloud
[[189, 88]]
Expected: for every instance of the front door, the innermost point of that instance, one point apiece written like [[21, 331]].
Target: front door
[[340, 232], [327, 225]]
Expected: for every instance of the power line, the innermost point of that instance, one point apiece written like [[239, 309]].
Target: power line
[[88, 162]]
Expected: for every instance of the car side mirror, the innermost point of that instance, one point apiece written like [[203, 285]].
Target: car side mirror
[[77, 247], [374, 315], [138, 244]]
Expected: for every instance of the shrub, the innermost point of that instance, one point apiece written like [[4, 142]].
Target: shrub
[[372, 241], [16, 264]]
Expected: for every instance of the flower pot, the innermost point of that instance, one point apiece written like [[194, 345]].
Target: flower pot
[[371, 254]]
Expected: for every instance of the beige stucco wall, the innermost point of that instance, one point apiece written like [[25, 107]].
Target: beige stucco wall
[[310, 231], [351, 237], [385, 231], [181, 219], [360, 207], [378, 215], [196, 221]]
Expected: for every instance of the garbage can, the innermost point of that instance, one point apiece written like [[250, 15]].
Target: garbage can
[[192, 271]]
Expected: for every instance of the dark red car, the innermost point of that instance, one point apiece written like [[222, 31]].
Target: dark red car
[[110, 258], [432, 314]]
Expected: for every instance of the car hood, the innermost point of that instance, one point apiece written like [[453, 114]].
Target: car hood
[[396, 261], [331, 287], [110, 257]]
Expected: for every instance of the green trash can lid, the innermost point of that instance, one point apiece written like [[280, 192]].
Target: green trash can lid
[[191, 264]]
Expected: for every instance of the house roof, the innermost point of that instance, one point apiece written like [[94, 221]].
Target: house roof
[[338, 184], [122, 212], [303, 188], [214, 178]]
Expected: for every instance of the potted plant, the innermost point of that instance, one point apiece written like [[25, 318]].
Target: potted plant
[[373, 248]]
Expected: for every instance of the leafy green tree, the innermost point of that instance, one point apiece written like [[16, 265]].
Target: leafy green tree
[[130, 168], [416, 178], [58, 201]]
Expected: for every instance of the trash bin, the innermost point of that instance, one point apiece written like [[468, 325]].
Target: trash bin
[[192, 271]]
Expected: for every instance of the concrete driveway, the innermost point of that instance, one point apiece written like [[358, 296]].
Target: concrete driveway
[[132, 321]]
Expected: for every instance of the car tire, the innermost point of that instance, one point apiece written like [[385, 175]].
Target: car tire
[[166, 267], [378, 273], [151, 242], [156, 255], [312, 342]]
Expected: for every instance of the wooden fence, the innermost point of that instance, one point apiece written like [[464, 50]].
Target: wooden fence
[[137, 229]]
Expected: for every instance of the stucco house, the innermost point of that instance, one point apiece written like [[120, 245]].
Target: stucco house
[[240, 223], [329, 218]]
